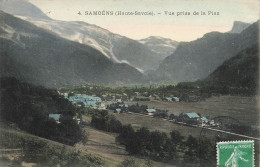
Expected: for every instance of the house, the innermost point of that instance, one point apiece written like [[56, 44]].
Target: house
[[90, 103], [123, 105], [56, 117], [212, 123], [172, 99], [168, 98], [65, 95], [191, 115], [76, 119], [190, 118], [205, 121], [102, 106], [118, 110], [150, 111], [176, 99], [86, 100], [118, 100]]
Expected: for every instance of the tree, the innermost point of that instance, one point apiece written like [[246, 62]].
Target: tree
[[158, 140], [161, 113], [143, 140], [176, 137], [207, 152], [126, 134], [191, 155], [192, 142], [172, 116], [114, 124]]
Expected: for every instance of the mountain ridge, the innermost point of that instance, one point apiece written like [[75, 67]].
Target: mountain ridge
[[119, 49], [22, 7], [197, 59], [239, 26], [37, 56]]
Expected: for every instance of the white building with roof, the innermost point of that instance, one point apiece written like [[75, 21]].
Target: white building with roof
[[150, 111]]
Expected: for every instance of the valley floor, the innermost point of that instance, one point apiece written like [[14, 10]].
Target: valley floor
[[102, 144], [243, 109]]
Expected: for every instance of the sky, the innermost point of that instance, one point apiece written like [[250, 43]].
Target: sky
[[181, 27]]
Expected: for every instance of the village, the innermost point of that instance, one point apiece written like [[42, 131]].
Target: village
[[123, 105]]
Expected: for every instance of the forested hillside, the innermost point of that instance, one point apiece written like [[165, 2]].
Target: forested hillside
[[239, 73], [29, 107]]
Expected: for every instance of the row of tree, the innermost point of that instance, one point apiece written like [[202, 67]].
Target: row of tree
[[136, 108], [174, 149]]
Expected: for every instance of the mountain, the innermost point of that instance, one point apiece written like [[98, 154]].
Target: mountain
[[197, 59], [118, 48], [160, 45], [35, 55], [238, 27], [22, 8], [240, 71]]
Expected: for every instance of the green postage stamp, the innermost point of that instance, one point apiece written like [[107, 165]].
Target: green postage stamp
[[235, 154]]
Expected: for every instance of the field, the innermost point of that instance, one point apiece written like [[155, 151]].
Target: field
[[243, 109], [103, 144], [138, 121]]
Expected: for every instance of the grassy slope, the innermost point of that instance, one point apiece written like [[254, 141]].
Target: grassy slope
[[101, 146], [57, 153]]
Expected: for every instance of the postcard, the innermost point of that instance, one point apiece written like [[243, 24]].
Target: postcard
[[118, 83]]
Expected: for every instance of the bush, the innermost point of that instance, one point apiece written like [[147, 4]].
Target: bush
[[103, 121], [161, 113]]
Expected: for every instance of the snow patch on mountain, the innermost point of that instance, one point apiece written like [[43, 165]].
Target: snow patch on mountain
[[83, 33], [160, 45], [113, 46]]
